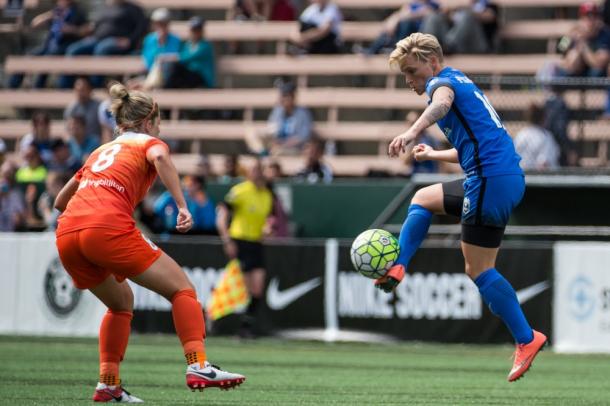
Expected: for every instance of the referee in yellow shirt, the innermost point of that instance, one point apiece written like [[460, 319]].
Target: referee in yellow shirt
[[247, 205]]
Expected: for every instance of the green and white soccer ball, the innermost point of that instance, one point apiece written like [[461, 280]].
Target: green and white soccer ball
[[374, 252]]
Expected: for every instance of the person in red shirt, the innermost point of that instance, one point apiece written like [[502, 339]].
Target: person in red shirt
[[100, 246]]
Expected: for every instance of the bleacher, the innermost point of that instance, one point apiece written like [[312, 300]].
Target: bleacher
[[334, 104]]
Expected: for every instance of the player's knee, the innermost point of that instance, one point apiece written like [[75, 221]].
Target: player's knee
[[420, 198], [428, 198], [471, 270], [180, 286], [123, 302]]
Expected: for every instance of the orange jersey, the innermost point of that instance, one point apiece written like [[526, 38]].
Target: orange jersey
[[113, 180]]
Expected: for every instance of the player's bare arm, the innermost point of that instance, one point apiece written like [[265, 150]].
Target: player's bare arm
[[159, 156], [424, 152], [442, 99], [65, 194]]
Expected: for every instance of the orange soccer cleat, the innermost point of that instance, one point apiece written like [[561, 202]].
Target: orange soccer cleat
[[390, 280], [524, 356]]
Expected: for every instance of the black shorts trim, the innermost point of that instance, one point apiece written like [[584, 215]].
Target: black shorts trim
[[482, 236], [479, 215], [250, 255], [453, 197]]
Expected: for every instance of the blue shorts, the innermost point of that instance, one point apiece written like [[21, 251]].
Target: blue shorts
[[490, 201], [484, 205]]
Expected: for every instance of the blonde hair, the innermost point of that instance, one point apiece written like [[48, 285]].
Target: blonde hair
[[131, 108], [421, 46]]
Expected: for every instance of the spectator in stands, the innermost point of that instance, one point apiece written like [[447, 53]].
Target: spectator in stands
[[412, 17], [319, 28], [194, 66], [40, 136], [199, 203], [81, 143], [203, 168], [473, 28], [118, 30], [160, 41], [249, 203], [86, 106], [277, 224], [535, 144], [315, 170], [65, 22], [231, 169], [33, 169], [62, 159], [268, 10], [106, 120], [2, 152], [30, 178], [587, 48], [12, 206], [556, 120], [289, 125], [54, 182]]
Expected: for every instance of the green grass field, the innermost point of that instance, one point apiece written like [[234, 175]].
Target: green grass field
[[51, 371]]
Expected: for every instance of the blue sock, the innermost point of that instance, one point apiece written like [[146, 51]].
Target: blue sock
[[413, 232], [500, 296]]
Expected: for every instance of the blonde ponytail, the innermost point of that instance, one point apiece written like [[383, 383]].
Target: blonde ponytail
[[131, 108]]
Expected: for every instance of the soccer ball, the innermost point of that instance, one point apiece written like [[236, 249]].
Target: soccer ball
[[374, 252]]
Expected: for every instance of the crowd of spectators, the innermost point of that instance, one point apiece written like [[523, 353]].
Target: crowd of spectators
[[45, 161], [121, 27]]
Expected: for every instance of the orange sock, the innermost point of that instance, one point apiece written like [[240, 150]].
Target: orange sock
[[114, 336], [189, 324]]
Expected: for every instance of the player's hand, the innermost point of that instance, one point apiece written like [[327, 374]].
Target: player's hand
[[400, 143], [421, 152], [230, 249], [185, 221]]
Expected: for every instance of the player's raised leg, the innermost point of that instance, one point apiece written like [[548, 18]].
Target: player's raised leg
[[501, 299], [113, 339], [166, 278], [427, 201]]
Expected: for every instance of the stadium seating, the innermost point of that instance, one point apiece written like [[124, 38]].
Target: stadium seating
[[330, 98], [382, 131], [303, 66], [279, 31], [353, 4], [347, 165], [26, 3]]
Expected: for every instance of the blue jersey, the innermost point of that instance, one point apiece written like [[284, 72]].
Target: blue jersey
[[474, 128]]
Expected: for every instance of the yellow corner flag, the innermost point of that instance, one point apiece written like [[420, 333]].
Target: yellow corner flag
[[230, 293]]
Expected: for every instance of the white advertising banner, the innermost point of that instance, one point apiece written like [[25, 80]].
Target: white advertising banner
[[37, 296], [581, 300]]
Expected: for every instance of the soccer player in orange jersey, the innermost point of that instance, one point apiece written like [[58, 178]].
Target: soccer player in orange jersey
[[100, 246]]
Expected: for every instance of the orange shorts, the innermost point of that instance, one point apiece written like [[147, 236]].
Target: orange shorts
[[90, 255]]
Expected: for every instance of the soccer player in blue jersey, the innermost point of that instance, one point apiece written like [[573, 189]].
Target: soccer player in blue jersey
[[494, 183]]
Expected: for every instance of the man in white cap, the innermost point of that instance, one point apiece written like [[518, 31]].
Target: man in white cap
[[160, 41]]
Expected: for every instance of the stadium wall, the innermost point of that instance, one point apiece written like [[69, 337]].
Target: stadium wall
[[311, 286], [345, 208]]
